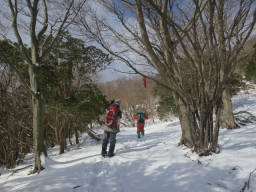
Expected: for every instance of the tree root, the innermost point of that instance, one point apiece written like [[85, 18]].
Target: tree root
[[36, 170], [244, 119], [16, 170]]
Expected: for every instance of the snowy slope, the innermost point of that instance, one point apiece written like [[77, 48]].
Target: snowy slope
[[153, 164]]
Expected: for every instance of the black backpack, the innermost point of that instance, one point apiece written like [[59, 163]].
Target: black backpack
[[141, 118]]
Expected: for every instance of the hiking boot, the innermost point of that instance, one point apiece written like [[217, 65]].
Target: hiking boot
[[103, 153], [111, 154]]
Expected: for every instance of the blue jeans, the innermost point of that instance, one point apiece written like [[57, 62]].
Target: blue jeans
[[108, 137]]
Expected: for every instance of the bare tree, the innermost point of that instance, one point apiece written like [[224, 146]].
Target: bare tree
[[194, 47], [210, 59], [47, 21], [226, 31]]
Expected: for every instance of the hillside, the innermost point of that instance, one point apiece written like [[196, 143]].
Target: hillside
[[153, 163]]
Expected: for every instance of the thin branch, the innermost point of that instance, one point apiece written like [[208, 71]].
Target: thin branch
[[144, 34], [46, 51], [45, 23], [14, 11]]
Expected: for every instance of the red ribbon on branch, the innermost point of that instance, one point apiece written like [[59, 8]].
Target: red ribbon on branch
[[145, 81]]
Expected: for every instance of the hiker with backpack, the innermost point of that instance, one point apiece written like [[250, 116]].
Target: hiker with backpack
[[111, 128], [141, 117]]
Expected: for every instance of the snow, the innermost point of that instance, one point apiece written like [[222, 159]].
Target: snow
[[152, 163]]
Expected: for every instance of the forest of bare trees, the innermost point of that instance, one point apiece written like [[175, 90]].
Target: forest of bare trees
[[195, 51], [133, 95]]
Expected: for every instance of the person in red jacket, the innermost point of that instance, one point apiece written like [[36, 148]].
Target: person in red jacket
[[111, 128], [141, 117]]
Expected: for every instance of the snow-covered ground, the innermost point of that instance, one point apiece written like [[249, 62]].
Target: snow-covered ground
[[152, 164]]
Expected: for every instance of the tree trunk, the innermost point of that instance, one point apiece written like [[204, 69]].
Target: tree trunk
[[227, 117], [70, 136], [187, 124], [62, 138], [38, 119], [76, 135], [206, 127], [215, 147], [62, 142]]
